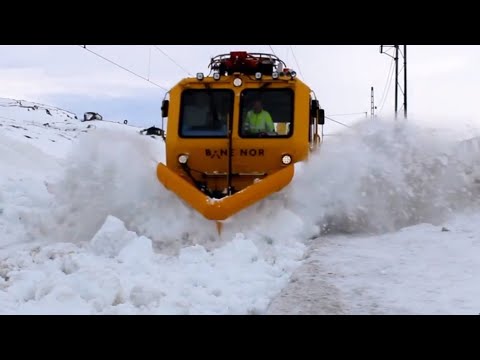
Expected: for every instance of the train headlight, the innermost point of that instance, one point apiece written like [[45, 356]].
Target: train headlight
[[200, 76], [183, 159], [275, 75], [237, 82], [258, 76], [286, 159], [216, 76]]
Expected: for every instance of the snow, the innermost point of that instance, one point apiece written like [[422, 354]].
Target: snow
[[383, 176], [423, 269], [98, 234], [86, 228], [119, 273]]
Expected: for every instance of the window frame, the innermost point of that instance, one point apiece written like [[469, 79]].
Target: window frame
[[182, 109], [259, 91]]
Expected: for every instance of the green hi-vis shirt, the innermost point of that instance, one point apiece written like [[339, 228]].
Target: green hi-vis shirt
[[261, 122]]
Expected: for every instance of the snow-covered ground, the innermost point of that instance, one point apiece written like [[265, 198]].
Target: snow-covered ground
[[423, 269], [86, 228]]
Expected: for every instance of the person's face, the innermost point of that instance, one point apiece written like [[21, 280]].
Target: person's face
[[257, 106]]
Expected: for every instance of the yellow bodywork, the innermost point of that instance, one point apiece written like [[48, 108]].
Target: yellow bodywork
[[222, 209], [256, 162]]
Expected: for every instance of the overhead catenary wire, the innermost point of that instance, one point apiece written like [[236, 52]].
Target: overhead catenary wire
[[149, 61], [389, 74], [185, 70], [122, 67], [388, 90], [296, 62], [351, 114], [315, 95], [386, 95], [172, 60], [271, 48], [301, 74], [338, 122]]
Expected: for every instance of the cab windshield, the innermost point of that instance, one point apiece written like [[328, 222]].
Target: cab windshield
[[266, 113], [205, 113]]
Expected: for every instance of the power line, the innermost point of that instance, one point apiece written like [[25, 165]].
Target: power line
[[149, 61], [386, 95], [296, 62], [273, 51], [359, 113], [386, 82], [338, 122], [388, 90], [122, 67], [172, 60]]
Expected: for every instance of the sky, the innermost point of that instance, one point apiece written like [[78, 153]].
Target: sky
[[443, 81]]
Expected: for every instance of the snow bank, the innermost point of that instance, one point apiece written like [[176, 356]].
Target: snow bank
[[381, 176], [118, 272]]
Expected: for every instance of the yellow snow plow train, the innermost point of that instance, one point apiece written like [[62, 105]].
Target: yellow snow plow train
[[233, 137]]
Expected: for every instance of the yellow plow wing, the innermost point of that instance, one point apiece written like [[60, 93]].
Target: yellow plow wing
[[222, 209]]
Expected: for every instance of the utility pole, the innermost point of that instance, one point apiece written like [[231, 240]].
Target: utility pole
[[398, 88], [372, 104], [396, 80], [405, 80]]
